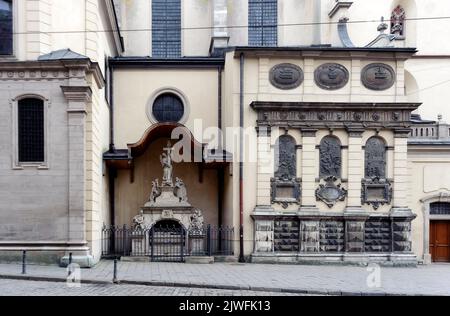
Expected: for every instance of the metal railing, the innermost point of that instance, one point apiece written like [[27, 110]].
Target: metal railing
[[167, 243]]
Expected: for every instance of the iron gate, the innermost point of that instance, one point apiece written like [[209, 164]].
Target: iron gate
[[167, 243]]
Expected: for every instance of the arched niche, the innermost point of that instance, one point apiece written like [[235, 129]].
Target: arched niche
[[409, 34]]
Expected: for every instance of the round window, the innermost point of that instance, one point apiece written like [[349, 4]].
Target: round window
[[168, 108]]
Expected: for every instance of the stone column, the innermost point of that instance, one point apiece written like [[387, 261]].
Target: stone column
[[309, 168], [220, 37], [355, 169], [77, 97]]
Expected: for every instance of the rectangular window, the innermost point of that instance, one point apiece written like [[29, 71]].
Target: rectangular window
[[166, 28], [6, 27], [262, 22], [31, 130]]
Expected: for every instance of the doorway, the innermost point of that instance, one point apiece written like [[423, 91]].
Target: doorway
[[440, 241]]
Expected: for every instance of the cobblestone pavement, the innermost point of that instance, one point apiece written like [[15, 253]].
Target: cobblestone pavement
[[37, 288], [423, 280]]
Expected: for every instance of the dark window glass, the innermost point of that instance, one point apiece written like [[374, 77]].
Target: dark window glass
[[166, 28], [440, 208], [330, 157], [31, 130], [262, 22], [168, 108], [6, 27], [375, 165], [286, 158]]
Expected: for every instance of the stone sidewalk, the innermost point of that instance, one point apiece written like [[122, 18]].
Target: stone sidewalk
[[304, 279]]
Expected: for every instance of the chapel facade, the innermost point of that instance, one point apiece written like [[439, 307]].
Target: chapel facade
[[308, 127]]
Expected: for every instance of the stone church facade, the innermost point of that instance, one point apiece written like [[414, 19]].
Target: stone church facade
[[327, 151]]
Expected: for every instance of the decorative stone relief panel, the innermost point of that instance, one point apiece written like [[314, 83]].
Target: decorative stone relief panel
[[378, 76], [310, 236], [376, 192], [286, 236], [285, 185], [375, 158], [355, 236], [264, 236], [286, 76], [402, 236], [378, 236], [330, 157], [332, 236], [331, 76]]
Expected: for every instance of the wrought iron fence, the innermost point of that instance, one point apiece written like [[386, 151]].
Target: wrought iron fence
[[167, 243]]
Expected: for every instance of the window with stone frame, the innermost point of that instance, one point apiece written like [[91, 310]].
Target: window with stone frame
[[262, 22], [30, 116], [166, 28], [330, 157], [168, 107], [6, 27], [375, 158], [398, 17]]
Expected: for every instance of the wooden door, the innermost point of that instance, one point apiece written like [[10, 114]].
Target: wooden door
[[440, 241]]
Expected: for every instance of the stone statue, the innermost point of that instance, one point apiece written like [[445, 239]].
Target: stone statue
[[180, 190], [197, 220], [156, 192], [166, 162], [139, 221]]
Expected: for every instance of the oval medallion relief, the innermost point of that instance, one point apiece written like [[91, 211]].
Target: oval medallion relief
[[286, 76], [331, 76], [378, 76]]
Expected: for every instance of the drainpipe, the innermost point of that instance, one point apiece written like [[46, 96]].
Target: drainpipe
[[220, 171], [241, 163], [112, 171]]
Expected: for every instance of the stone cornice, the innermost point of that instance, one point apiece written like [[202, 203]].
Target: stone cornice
[[77, 93], [351, 116], [50, 70], [327, 52]]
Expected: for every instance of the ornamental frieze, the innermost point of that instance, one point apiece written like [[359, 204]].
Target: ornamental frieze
[[286, 76], [35, 75], [334, 117], [331, 76], [378, 76]]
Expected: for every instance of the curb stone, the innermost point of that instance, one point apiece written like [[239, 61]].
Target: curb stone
[[205, 286]]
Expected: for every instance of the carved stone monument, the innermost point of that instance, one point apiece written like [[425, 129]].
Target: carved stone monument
[[168, 201]]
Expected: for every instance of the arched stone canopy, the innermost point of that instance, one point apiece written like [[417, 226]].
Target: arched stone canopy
[[124, 158]]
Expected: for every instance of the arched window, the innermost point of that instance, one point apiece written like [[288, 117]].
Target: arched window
[[6, 27], [262, 22], [286, 159], [31, 130], [168, 107], [166, 28], [375, 157], [398, 21], [330, 157]]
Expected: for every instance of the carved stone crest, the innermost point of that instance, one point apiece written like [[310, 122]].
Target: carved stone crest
[[376, 192], [331, 76], [378, 76], [286, 76], [330, 193]]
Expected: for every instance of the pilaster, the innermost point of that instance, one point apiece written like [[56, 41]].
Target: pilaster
[[308, 169], [355, 167], [400, 169], [265, 167]]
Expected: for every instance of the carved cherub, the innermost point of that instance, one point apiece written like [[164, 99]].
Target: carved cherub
[[155, 191]]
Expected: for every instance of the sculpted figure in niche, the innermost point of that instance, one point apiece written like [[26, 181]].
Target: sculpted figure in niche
[[375, 158], [166, 162], [285, 161]]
